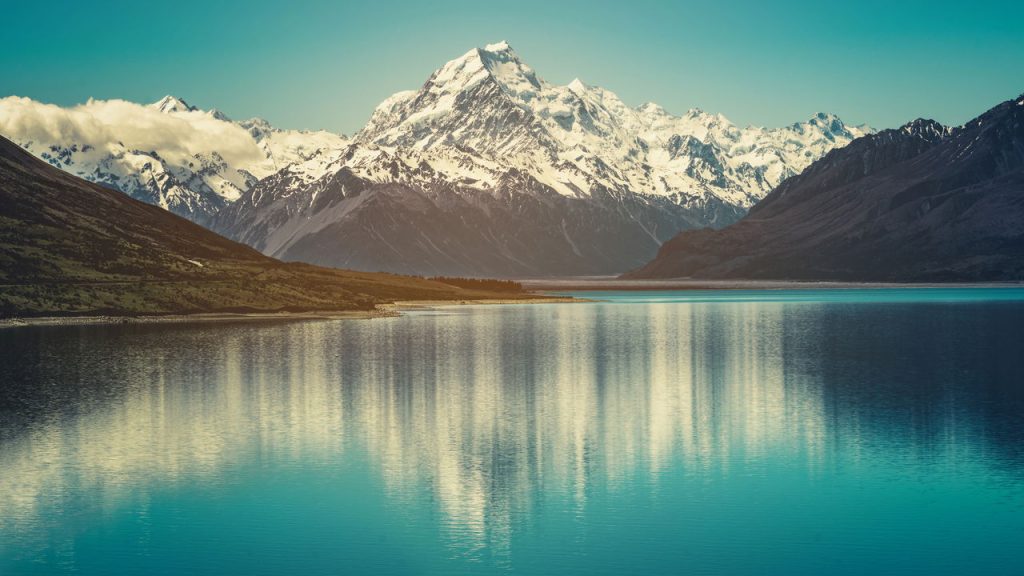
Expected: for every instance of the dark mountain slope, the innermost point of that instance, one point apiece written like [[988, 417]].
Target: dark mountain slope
[[70, 247], [920, 203], [519, 229]]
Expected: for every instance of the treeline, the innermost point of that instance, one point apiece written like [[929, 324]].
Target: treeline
[[481, 284]]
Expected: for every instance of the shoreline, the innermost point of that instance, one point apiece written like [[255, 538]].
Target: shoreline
[[537, 286], [388, 310], [428, 304], [201, 317], [589, 284]]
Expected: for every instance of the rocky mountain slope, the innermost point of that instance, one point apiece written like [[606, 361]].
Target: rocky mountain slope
[[169, 153], [489, 170], [443, 212], [71, 247], [919, 203]]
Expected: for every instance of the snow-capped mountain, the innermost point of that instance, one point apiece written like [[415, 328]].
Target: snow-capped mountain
[[170, 104], [577, 138], [487, 169], [169, 153]]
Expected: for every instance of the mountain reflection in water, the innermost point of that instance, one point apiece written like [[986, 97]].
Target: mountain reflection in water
[[493, 417]]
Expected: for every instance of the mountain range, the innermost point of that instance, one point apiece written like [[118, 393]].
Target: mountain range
[[169, 153], [923, 202], [486, 169]]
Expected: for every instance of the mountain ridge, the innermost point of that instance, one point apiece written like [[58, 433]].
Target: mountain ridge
[[922, 202]]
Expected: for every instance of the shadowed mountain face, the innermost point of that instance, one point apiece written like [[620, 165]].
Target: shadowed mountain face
[[68, 246], [519, 228], [920, 203]]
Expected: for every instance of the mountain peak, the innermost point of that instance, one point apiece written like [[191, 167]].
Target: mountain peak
[[924, 127], [824, 118], [496, 61], [652, 108], [577, 85], [504, 65], [501, 46], [215, 113], [826, 121], [170, 103]]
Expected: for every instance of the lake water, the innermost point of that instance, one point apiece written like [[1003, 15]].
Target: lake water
[[781, 432]]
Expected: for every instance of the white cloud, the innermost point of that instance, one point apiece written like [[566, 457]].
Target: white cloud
[[107, 124]]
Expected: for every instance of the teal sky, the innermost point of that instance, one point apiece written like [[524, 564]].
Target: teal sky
[[327, 64]]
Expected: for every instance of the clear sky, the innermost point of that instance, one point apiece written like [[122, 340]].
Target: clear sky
[[322, 64]]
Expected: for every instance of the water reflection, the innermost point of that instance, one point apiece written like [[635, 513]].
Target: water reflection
[[492, 410]]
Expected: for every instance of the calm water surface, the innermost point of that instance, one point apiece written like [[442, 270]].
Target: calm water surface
[[781, 432]]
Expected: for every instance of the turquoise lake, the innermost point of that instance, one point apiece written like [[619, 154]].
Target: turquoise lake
[[874, 431]]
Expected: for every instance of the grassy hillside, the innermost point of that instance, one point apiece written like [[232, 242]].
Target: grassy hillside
[[70, 247]]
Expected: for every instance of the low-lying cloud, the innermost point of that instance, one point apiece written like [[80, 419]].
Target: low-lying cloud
[[113, 125]]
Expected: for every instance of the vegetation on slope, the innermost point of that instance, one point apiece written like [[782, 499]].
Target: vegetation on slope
[[503, 286], [69, 247]]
